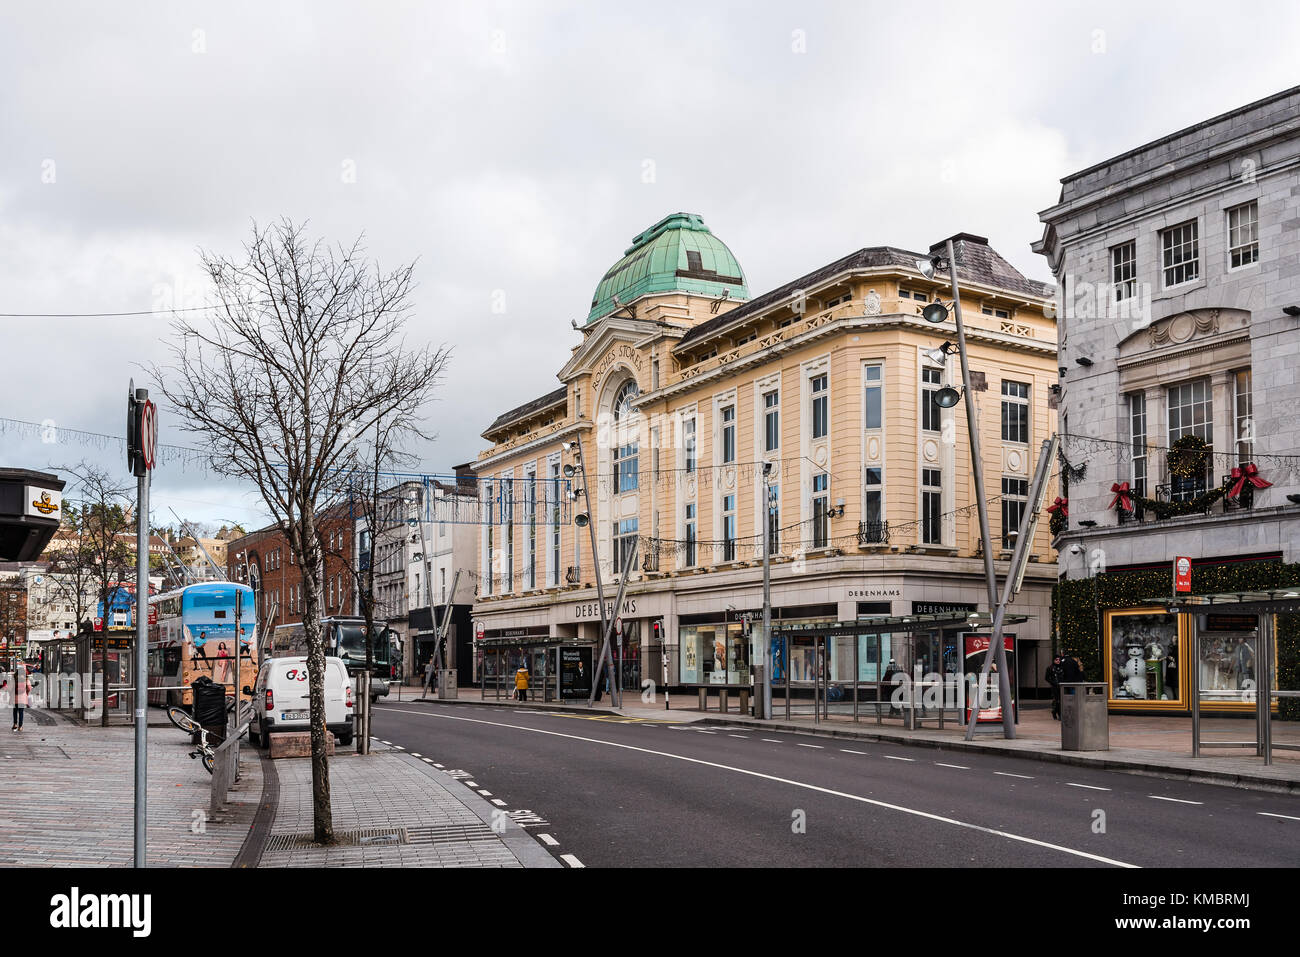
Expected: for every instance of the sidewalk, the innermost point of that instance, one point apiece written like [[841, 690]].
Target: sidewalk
[[392, 809], [1155, 745], [69, 798]]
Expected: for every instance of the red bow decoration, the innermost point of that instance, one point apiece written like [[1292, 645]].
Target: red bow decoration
[[1122, 496], [1060, 505], [1247, 473]]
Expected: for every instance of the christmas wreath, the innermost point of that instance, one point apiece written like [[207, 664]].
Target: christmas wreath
[[1186, 457]]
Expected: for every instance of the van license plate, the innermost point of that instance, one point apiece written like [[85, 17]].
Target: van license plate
[[294, 715]]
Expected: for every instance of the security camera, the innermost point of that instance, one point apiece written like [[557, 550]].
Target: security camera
[[1075, 549]]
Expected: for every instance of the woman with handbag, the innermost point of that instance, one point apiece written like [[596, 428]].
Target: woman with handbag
[[22, 688]]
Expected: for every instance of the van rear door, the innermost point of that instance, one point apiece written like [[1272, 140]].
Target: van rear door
[[291, 690]]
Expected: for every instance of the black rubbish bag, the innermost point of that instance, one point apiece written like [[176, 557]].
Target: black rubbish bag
[[209, 702]]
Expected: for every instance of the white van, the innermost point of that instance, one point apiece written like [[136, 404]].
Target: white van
[[282, 702]]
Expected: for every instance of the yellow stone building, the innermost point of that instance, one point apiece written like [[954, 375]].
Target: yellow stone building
[[683, 387]]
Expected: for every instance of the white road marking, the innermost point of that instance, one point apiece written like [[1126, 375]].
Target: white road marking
[[817, 746], [915, 812], [1008, 774], [1285, 816], [1157, 797], [850, 751], [498, 802], [702, 731], [771, 740], [548, 840], [416, 754], [891, 757], [1090, 787], [428, 761], [387, 742], [743, 737], [436, 764], [399, 747], [959, 767], [571, 860], [471, 784], [486, 794]]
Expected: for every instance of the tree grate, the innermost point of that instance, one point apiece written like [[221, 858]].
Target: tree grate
[[450, 834], [365, 837]]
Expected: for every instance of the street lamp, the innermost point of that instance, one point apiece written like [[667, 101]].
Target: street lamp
[[947, 398], [583, 520]]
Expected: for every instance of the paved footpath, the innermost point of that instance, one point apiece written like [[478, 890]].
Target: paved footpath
[[393, 809], [69, 790]]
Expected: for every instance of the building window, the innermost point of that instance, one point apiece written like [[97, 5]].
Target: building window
[[688, 442], [819, 408], [996, 313], [625, 536], [873, 510], [728, 434], [1015, 496], [1123, 270], [1191, 413], [931, 506], [912, 294], [821, 510], [625, 467], [931, 413], [1243, 235], [1181, 254], [508, 516], [1137, 410], [532, 532], [1244, 415], [874, 411], [771, 421], [555, 524], [442, 584], [1015, 412], [690, 536], [729, 528]]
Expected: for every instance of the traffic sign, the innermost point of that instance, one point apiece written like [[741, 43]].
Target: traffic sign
[[618, 625], [478, 630], [148, 432]]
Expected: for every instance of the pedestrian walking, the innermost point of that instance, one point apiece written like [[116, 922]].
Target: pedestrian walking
[[1054, 679], [22, 688], [521, 683], [428, 675], [1071, 670]]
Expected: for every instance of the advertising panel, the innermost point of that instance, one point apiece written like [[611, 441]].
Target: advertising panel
[[574, 670], [975, 648]]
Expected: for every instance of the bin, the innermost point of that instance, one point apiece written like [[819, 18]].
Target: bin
[[1085, 722], [446, 684]]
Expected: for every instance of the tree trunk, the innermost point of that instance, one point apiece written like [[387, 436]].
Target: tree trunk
[[322, 816]]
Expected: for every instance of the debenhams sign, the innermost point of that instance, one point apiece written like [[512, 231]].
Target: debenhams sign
[[592, 609], [875, 593]]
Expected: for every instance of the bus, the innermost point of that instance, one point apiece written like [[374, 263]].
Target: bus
[[345, 638], [193, 634]]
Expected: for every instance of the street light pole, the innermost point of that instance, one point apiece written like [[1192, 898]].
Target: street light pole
[[595, 561], [765, 692], [996, 608]]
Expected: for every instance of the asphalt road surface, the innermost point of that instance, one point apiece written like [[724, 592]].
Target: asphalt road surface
[[603, 791]]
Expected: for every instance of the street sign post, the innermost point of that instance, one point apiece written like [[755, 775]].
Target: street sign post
[[141, 448]]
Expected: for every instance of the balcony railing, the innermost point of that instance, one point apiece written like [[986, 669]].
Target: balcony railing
[[873, 533], [571, 575]]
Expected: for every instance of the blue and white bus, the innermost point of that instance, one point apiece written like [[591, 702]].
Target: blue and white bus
[[194, 633]]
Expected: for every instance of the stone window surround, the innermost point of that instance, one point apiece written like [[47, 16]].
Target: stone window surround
[[808, 448]]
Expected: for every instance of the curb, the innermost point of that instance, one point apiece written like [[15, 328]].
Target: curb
[[1142, 766], [250, 852], [538, 705]]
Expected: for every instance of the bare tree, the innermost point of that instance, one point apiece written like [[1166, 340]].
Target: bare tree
[[98, 551], [305, 352]]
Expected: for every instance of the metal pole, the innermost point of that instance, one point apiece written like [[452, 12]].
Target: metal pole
[[996, 651], [605, 650], [765, 692], [1264, 686], [234, 715], [1196, 686], [141, 656], [595, 562]]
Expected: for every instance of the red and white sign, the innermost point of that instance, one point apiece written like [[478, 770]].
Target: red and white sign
[[153, 614], [1183, 574], [149, 432], [478, 630], [618, 626], [99, 624]]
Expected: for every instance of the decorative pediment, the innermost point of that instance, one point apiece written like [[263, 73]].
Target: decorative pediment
[[614, 342], [1195, 326]]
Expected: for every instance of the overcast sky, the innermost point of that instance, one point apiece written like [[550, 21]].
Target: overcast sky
[[518, 147]]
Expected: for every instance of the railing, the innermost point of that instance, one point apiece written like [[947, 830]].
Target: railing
[[1245, 498], [650, 560], [571, 575], [873, 533]]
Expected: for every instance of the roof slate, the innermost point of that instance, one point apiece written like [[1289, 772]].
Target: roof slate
[[527, 409]]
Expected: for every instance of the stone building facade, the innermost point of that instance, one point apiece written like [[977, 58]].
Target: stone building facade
[[1177, 263]]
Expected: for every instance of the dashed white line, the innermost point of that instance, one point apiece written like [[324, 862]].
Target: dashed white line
[[399, 747], [702, 731], [1008, 774], [959, 767], [416, 754], [548, 840], [498, 802], [471, 784], [486, 794], [436, 764], [891, 757], [1157, 797], [428, 761], [771, 740], [571, 860], [1090, 787], [817, 746], [1285, 816], [387, 742], [743, 737], [851, 751]]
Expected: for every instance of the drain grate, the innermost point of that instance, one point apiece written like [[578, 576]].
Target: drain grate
[[366, 837], [449, 834]]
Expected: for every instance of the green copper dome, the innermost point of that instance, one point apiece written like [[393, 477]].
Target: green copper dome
[[676, 254]]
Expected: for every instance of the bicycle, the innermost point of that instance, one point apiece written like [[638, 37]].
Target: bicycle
[[203, 750], [185, 721]]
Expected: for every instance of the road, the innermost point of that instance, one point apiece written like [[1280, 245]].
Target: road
[[602, 791]]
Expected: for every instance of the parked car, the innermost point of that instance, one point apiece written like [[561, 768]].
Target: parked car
[[281, 700]]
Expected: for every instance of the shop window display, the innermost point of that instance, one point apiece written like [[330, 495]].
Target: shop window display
[[1227, 667], [1144, 657]]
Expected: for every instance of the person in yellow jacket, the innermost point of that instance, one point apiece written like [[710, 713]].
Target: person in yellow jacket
[[521, 683]]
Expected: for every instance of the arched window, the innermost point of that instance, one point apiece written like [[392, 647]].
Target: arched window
[[626, 445]]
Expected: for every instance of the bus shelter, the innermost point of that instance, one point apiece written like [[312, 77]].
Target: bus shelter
[[909, 668], [497, 659], [1257, 666]]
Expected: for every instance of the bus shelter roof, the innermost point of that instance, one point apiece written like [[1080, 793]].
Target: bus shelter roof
[[1274, 601], [901, 624]]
